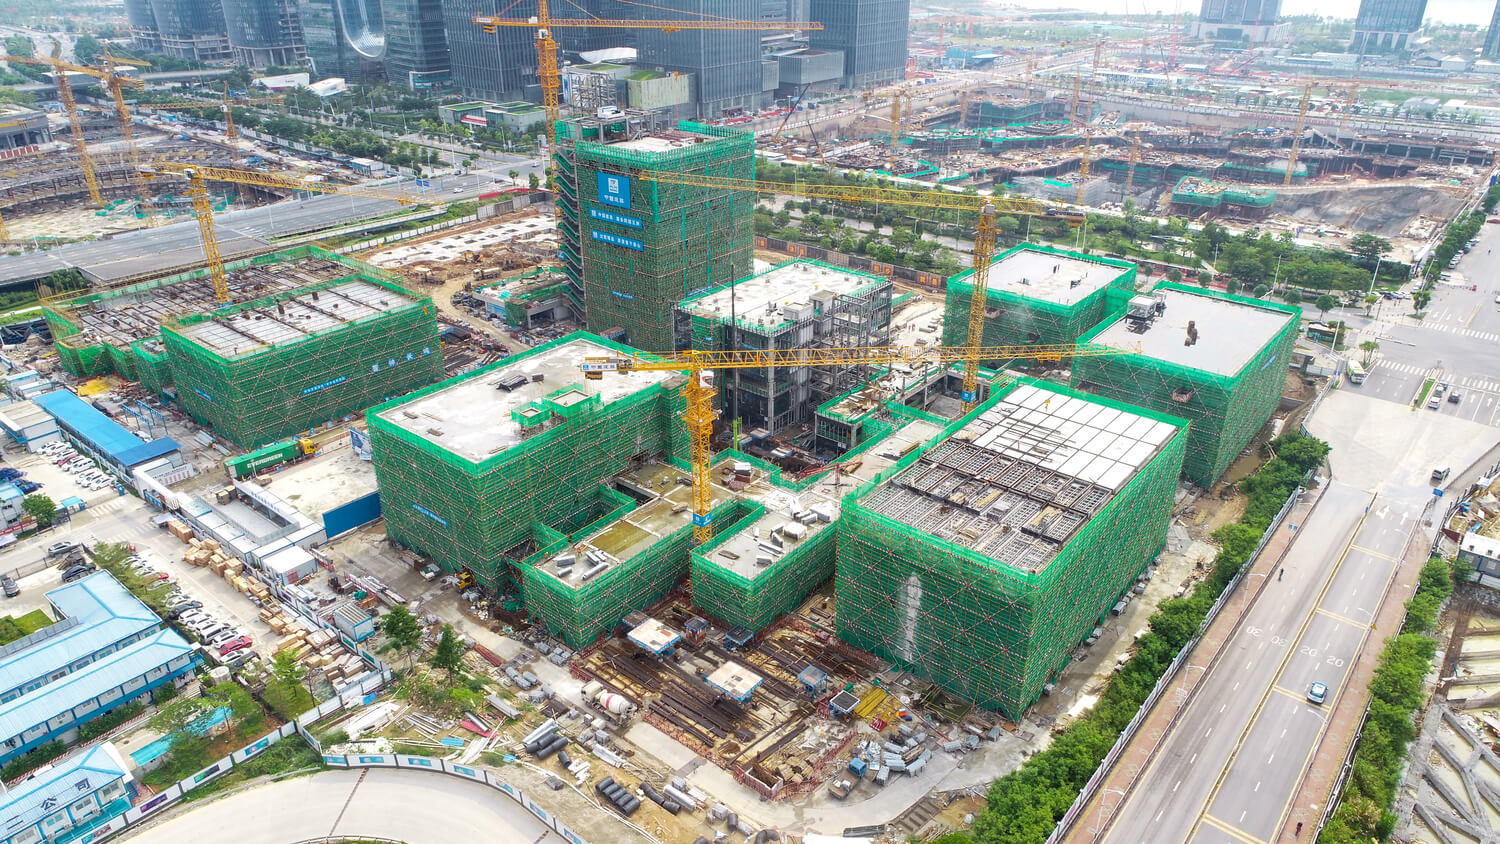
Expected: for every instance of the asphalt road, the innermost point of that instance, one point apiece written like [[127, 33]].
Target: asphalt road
[[1229, 769], [411, 806]]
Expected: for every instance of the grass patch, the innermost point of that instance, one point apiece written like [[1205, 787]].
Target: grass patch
[[13, 627], [285, 756], [1426, 388]]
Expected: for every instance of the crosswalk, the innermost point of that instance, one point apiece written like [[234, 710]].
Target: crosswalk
[[1407, 368], [1472, 383], [1487, 336]]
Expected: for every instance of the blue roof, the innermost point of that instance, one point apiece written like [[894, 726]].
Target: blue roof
[[9, 491], [104, 434], [28, 803], [91, 681], [105, 613]]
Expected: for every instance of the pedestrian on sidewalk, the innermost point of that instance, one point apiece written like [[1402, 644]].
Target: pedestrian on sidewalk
[[1281, 575]]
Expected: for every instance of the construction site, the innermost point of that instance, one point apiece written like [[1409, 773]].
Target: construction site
[[791, 542]]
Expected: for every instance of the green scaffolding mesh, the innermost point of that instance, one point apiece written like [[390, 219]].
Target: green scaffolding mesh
[[271, 391], [153, 365], [754, 603], [1013, 318], [466, 514], [1225, 411], [980, 629], [640, 252], [1205, 194], [580, 613]]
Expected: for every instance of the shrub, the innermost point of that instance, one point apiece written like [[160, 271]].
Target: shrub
[[104, 723], [38, 757]]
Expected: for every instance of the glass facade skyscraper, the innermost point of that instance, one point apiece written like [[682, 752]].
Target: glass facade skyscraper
[[725, 64], [264, 32], [416, 48], [1385, 25], [871, 34]]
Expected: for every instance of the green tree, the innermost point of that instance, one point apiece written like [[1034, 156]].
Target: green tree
[[514, 175], [1231, 286], [1174, 274], [1370, 300], [41, 508], [86, 49], [449, 653], [1324, 304], [20, 45], [533, 180], [402, 633], [1292, 297], [1260, 291], [1420, 299], [1368, 247], [284, 691], [1205, 278], [1368, 348]]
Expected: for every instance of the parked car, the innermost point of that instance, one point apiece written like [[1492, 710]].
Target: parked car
[[241, 658], [8, 585], [57, 549], [181, 610], [1455, 397], [238, 643], [75, 572]]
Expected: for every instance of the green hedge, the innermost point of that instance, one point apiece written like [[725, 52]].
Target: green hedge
[[35, 759], [1396, 693], [104, 723], [1025, 805]]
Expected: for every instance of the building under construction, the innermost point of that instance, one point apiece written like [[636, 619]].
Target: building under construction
[[269, 368], [1037, 294], [1214, 359], [800, 304], [633, 247], [983, 560], [484, 469]]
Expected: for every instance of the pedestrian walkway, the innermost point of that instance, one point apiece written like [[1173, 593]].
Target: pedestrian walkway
[[1408, 368], [1110, 793]]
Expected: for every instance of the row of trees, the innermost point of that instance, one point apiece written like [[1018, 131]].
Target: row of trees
[[1024, 806], [1397, 691], [904, 246]]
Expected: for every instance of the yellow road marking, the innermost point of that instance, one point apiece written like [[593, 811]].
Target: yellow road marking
[[1336, 617], [1225, 826]]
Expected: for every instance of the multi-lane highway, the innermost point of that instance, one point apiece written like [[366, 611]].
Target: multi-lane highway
[[1230, 768]]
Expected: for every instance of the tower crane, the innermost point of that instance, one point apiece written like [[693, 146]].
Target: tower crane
[[1291, 160], [546, 46], [1135, 160], [699, 392], [198, 178], [114, 82], [985, 233], [225, 106]]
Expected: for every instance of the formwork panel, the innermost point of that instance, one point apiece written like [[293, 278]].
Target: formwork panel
[[267, 392], [986, 631], [1225, 411]]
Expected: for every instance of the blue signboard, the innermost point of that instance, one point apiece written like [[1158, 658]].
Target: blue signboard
[[614, 190], [612, 217], [617, 240]]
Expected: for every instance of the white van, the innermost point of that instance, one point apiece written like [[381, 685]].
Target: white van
[[1440, 474]]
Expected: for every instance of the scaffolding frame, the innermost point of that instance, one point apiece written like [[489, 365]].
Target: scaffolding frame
[[1226, 411], [276, 390], [467, 514], [688, 237], [988, 632], [1012, 318]]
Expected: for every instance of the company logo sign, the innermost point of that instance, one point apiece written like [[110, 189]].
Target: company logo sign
[[614, 190]]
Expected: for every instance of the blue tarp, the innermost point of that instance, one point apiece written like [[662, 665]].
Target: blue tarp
[[103, 434]]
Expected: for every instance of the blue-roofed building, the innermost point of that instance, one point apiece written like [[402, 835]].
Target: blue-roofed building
[[107, 441], [106, 649], [11, 513], [69, 800], [57, 709], [96, 617]]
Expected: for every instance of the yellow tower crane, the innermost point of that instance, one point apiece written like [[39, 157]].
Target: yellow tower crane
[[198, 178], [1073, 103], [546, 46], [700, 414], [1135, 160], [1291, 160], [985, 233], [113, 81], [1083, 165], [225, 105]]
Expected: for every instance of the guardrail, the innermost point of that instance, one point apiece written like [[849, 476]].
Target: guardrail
[[1087, 793]]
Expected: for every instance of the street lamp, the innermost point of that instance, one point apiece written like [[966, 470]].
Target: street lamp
[[1099, 821]]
